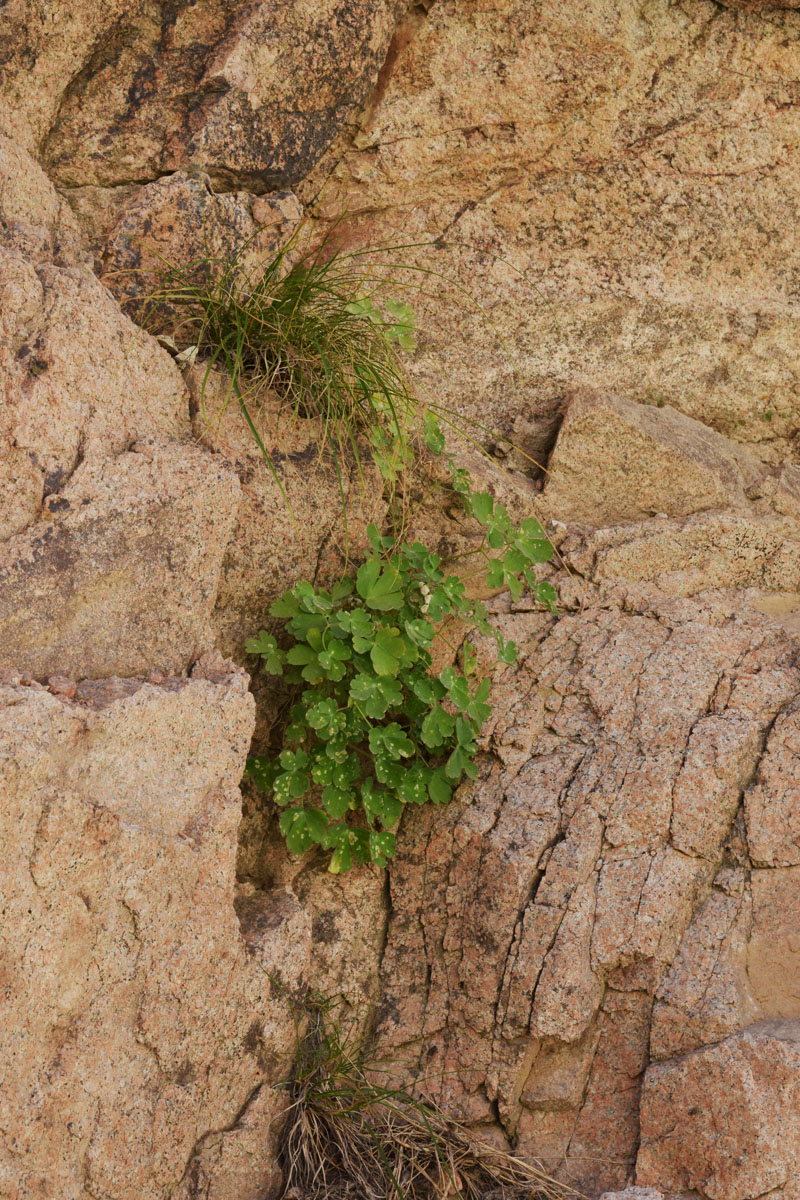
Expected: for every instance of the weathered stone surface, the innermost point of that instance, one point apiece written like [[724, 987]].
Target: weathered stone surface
[[238, 1163], [739, 962], [618, 897], [772, 806], [773, 951], [348, 914], [633, 1193], [614, 183], [706, 995], [78, 381], [251, 92], [725, 1120], [140, 1037], [760, 5], [683, 557], [615, 460], [179, 221], [119, 576], [110, 556], [348, 929], [533, 921], [33, 217], [289, 523], [43, 49]]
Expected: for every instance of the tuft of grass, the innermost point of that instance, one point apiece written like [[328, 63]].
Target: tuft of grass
[[320, 328], [316, 327], [349, 1138]]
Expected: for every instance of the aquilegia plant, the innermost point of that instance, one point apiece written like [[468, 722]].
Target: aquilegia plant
[[372, 728]]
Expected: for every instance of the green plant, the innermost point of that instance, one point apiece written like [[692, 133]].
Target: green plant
[[347, 1136], [319, 328], [372, 729], [655, 398]]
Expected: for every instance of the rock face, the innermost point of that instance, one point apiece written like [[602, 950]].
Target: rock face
[[718, 549], [78, 378], [725, 1120], [543, 925], [591, 955], [137, 1015], [119, 575], [150, 999], [179, 221], [128, 92], [612, 457], [614, 183], [118, 536], [300, 499]]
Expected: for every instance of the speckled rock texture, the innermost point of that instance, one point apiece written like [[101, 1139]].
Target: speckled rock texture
[[725, 1120], [138, 1016], [615, 182], [179, 222], [150, 998], [119, 575], [77, 378], [112, 526], [289, 521], [609, 896], [617, 460], [120, 536], [118, 93], [592, 955]]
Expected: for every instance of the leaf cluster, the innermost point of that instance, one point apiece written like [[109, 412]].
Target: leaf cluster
[[373, 728]]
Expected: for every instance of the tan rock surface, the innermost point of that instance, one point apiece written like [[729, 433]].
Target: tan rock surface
[[633, 1193], [119, 576], [78, 381], [725, 1120], [683, 557], [348, 914], [773, 951], [33, 217], [706, 996], [238, 1163], [138, 1028], [180, 222], [109, 555], [533, 922], [762, 6], [594, 950], [614, 183], [772, 806], [44, 50], [289, 522], [615, 461], [125, 93]]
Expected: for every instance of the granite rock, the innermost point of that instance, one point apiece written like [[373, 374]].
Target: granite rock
[[614, 184], [615, 460], [119, 574], [141, 1036], [535, 922], [725, 1120], [251, 92]]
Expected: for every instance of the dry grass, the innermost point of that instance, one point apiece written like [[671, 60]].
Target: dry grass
[[347, 1138]]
